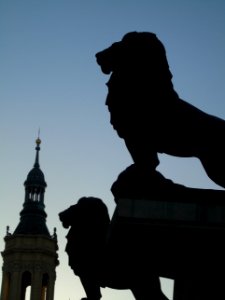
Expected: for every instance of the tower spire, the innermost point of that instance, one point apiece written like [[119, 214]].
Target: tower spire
[[33, 215], [38, 148]]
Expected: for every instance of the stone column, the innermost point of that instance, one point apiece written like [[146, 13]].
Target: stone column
[[36, 285], [15, 286], [50, 288], [5, 286]]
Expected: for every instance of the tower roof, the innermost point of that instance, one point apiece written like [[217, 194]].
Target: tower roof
[[33, 215], [36, 177]]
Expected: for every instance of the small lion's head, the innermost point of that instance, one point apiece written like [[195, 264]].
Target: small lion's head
[[136, 51], [88, 209]]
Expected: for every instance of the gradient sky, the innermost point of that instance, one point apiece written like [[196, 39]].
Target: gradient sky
[[49, 79]]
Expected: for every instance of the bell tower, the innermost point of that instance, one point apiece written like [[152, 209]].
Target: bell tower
[[30, 255]]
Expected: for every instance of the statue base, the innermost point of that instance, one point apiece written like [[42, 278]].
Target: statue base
[[173, 237], [169, 230]]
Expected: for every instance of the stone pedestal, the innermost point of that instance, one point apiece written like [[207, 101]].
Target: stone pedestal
[[180, 237]]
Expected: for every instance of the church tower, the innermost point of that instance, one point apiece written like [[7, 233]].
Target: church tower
[[30, 256]]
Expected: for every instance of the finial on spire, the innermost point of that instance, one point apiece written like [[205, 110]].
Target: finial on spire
[[38, 140]]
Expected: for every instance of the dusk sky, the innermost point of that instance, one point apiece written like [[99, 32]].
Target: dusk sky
[[49, 79]]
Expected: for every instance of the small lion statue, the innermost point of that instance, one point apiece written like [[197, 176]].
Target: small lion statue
[[149, 115], [91, 259], [88, 221]]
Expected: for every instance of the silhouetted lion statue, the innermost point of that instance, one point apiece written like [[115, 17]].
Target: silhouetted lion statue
[[94, 262], [148, 114]]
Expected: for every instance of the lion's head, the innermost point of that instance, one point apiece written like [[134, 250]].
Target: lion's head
[[141, 51], [87, 209]]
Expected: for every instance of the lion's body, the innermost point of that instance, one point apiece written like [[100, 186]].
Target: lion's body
[[148, 114]]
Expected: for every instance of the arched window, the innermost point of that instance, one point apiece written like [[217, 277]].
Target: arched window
[[45, 282], [26, 283]]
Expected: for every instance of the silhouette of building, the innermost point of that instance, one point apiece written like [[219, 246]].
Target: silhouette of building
[[30, 255]]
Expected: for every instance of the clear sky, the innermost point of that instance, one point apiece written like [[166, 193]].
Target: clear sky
[[49, 79]]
